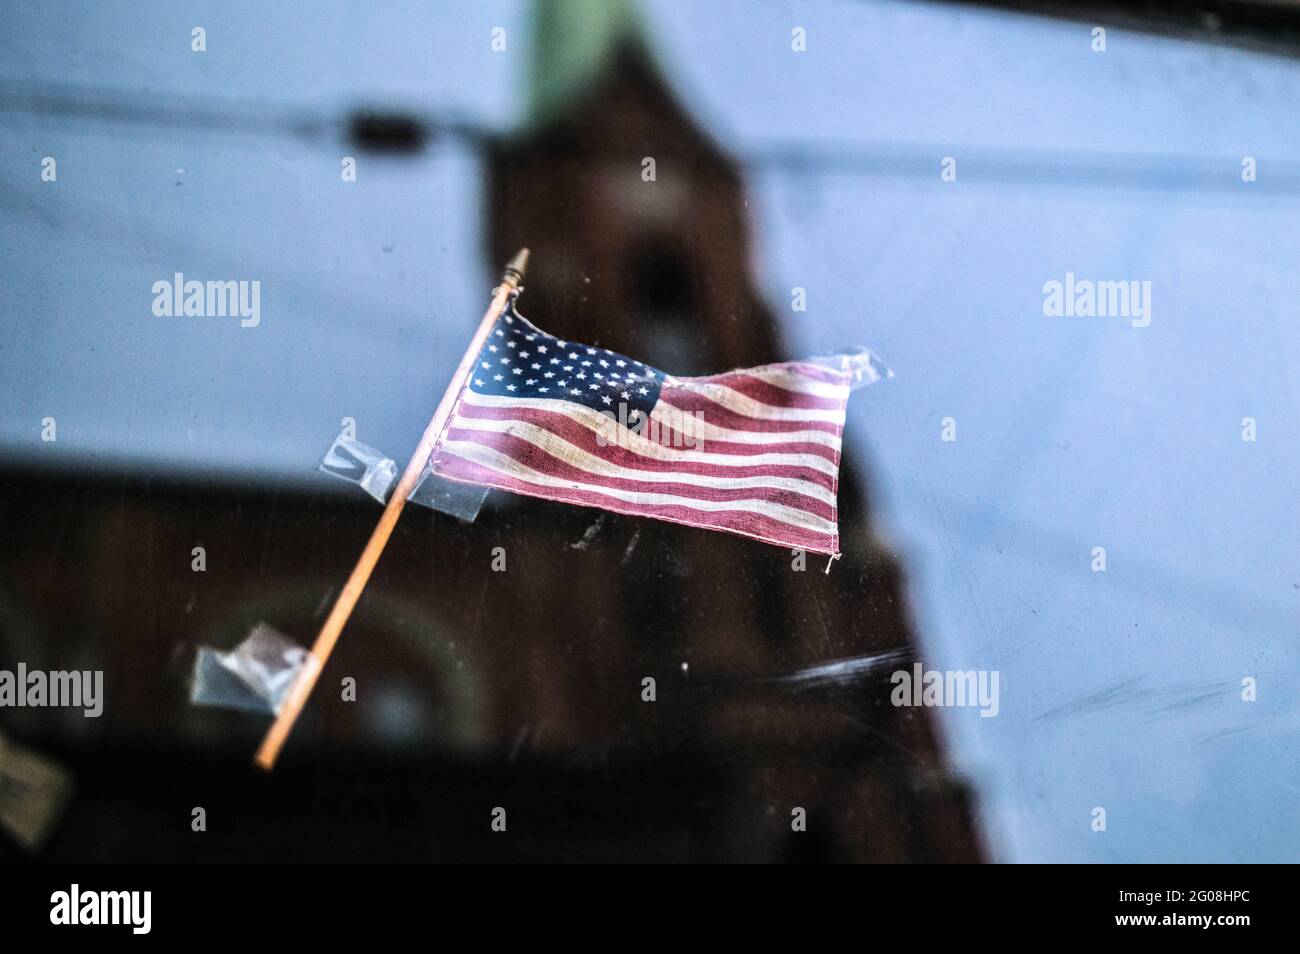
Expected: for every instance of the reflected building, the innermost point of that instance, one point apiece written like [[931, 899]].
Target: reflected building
[[640, 232]]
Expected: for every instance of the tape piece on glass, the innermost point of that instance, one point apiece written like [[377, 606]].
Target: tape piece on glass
[[34, 790], [377, 475], [255, 676]]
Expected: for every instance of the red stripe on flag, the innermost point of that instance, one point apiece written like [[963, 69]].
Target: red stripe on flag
[[686, 399], [581, 436], [768, 393], [792, 370], [535, 458], [753, 525]]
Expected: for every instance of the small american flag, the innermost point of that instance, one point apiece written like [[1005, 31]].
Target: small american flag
[[754, 452]]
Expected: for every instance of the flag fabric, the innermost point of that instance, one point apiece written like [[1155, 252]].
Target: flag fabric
[[754, 452]]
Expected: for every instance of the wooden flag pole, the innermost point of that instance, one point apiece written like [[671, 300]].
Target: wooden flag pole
[[511, 281]]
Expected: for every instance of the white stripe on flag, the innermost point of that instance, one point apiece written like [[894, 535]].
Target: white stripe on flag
[[561, 449], [634, 442], [503, 464], [690, 424], [744, 405]]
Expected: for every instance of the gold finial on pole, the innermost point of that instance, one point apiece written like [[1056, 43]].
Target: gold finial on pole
[[515, 269]]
